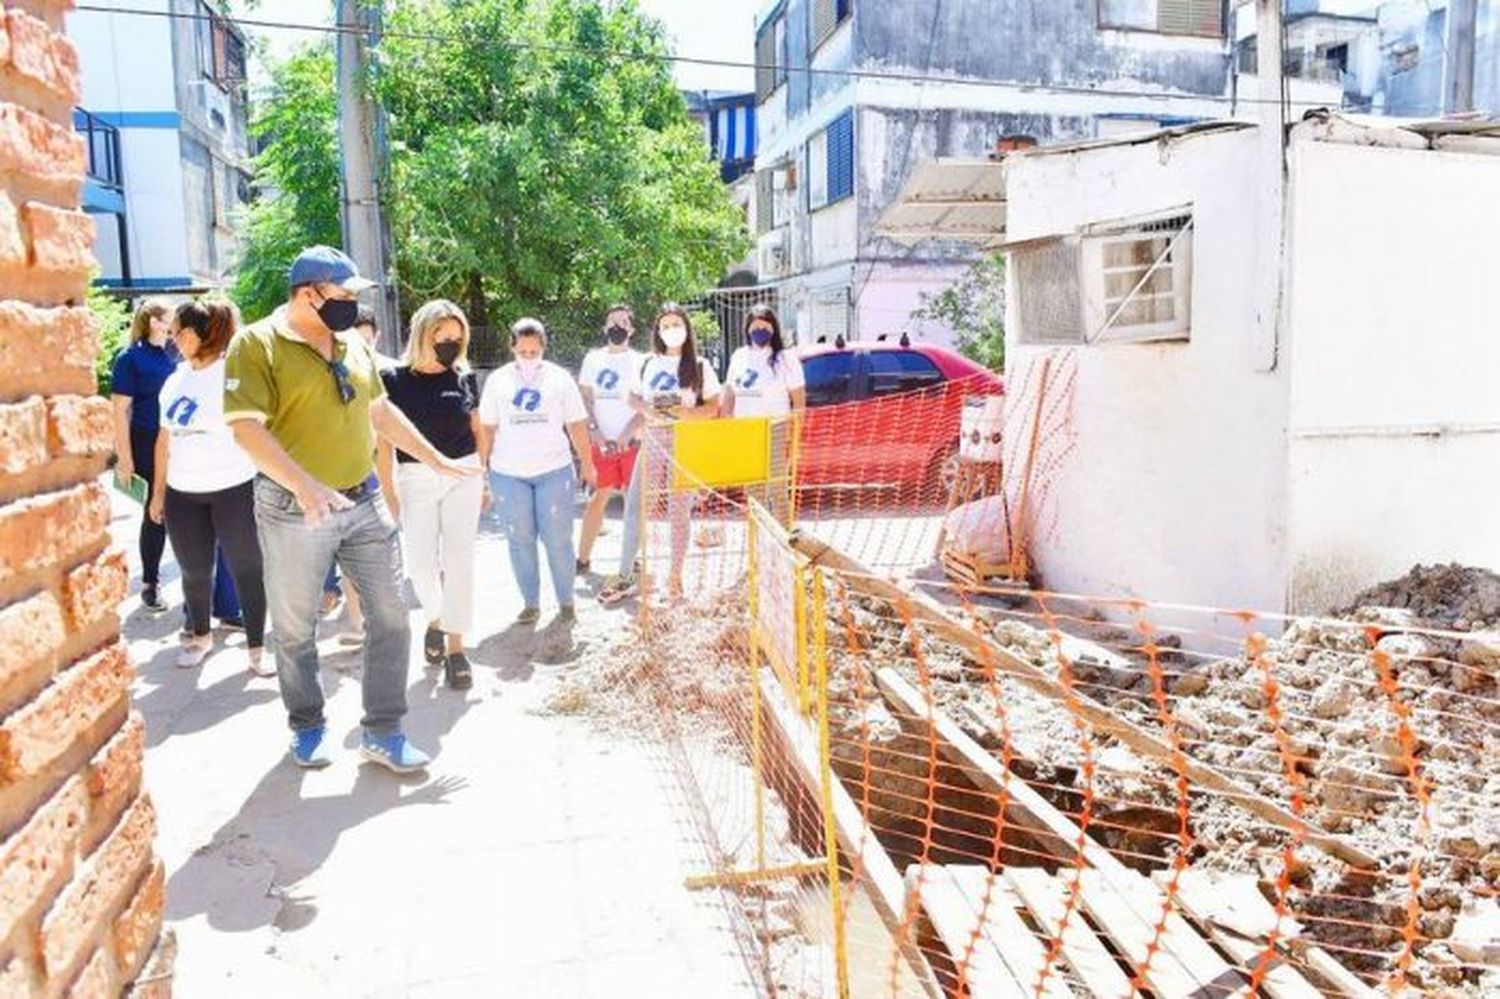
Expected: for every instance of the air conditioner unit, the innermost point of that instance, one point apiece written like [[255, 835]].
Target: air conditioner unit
[[216, 106]]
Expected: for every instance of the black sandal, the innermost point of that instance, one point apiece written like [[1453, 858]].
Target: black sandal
[[457, 673], [434, 644]]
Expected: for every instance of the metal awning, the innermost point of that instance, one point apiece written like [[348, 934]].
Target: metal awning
[[954, 199]]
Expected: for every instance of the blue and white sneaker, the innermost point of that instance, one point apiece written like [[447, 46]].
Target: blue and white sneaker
[[393, 752], [310, 748]]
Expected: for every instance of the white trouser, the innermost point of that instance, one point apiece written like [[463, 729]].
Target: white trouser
[[440, 529]]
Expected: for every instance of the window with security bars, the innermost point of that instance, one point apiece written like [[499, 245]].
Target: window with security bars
[[765, 202], [1168, 17], [826, 16], [1137, 285]]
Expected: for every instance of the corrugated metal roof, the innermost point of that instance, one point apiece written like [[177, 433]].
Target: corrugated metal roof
[[957, 199]]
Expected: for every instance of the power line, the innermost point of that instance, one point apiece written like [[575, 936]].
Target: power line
[[1056, 89]]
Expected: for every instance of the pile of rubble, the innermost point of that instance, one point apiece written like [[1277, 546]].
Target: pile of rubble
[[1337, 685]]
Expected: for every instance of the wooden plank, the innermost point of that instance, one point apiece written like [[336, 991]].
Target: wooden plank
[[1240, 920], [1132, 935], [1020, 948], [1092, 963], [985, 974], [881, 880], [1024, 806], [1178, 937], [1281, 980], [1032, 811], [1101, 718]]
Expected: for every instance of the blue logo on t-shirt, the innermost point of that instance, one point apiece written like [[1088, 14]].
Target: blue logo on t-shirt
[[748, 379], [607, 379], [182, 409], [663, 381], [527, 399]]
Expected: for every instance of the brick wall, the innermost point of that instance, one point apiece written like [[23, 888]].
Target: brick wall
[[81, 892]]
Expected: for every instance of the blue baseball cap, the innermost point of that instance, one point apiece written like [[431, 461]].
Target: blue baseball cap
[[325, 265]]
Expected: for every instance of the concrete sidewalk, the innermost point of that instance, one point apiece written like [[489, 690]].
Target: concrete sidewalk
[[539, 857]]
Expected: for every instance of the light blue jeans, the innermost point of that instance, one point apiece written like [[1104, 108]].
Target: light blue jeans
[[652, 467], [364, 541], [540, 508]]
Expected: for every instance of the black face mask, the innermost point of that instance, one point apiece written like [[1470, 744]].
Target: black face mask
[[617, 335], [446, 352], [338, 314]]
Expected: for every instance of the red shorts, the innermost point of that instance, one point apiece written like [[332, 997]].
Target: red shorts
[[614, 469]]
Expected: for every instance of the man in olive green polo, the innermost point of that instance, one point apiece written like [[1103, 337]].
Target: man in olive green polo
[[303, 396]]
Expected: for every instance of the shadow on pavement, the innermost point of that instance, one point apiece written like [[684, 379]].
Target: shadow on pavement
[[246, 876], [509, 652]]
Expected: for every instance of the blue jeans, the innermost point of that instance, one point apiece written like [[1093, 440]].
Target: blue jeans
[[653, 462], [364, 541], [226, 600], [540, 509]]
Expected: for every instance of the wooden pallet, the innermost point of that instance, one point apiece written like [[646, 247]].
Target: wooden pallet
[[974, 570], [998, 930]]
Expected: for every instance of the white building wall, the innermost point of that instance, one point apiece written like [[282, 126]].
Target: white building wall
[[126, 58], [156, 213], [1175, 489], [1393, 354]]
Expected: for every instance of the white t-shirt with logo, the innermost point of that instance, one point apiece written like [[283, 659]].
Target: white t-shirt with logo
[[202, 456], [759, 389], [658, 378], [532, 418], [611, 376]]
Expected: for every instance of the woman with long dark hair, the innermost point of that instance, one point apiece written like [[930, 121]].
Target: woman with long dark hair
[[675, 384], [202, 488], [764, 379], [135, 382]]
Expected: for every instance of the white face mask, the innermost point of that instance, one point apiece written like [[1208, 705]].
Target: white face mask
[[528, 366], [673, 336]]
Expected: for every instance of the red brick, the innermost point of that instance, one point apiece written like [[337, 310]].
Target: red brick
[[114, 776], [43, 56], [136, 928], [23, 435], [98, 890], [32, 144], [44, 351], [36, 861], [37, 734], [46, 529], [61, 239], [80, 425], [30, 632], [93, 591], [96, 980], [12, 238]]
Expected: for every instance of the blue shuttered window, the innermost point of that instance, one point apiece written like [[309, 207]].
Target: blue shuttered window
[[841, 157]]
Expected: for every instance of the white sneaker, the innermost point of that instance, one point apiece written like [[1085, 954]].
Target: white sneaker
[[260, 663], [195, 649]]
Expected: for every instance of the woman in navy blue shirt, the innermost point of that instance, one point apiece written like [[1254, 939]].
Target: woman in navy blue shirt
[[139, 373]]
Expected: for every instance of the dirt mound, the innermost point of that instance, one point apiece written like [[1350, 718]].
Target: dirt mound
[[1454, 597]]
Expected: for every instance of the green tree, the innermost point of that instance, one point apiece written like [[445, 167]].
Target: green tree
[[974, 308], [529, 174], [296, 176], [114, 332]]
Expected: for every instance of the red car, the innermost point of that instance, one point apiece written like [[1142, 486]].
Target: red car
[[885, 415]]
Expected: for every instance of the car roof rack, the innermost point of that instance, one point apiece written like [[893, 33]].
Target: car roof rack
[[905, 340], [838, 341]]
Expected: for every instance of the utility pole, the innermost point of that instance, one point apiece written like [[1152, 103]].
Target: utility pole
[[1270, 183], [1458, 74], [362, 154]]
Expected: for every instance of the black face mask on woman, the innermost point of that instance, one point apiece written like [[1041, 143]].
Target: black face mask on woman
[[338, 314], [617, 334], [446, 352]]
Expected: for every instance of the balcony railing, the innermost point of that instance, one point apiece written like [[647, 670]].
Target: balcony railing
[[103, 142]]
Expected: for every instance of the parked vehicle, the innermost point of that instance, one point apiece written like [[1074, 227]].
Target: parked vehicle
[[885, 415]]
